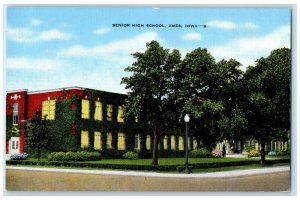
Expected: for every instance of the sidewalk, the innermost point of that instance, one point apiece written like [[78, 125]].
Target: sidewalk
[[233, 173]]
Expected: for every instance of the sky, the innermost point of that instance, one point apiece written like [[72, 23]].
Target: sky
[[57, 47]]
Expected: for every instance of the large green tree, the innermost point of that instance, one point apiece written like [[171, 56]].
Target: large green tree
[[267, 86], [150, 84], [208, 91]]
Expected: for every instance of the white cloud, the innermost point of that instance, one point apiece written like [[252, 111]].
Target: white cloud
[[250, 25], [192, 36], [36, 22], [25, 35], [54, 34], [101, 31], [248, 49], [227, 25], [32, 64], [113, 49]]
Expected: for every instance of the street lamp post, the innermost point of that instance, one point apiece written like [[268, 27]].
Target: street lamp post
[[186, 119]]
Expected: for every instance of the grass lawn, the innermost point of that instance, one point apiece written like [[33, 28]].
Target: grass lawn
[[171, 161]]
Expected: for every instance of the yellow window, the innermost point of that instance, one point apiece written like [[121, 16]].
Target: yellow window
[[195, 143], [109, 141], [148, 142], [84, 139], [85, 109], [98, 111], [166, 142], [48, 109], [121, 141], [173, 143], [109, 112], [121, 114], [180, 143], [97, 141]]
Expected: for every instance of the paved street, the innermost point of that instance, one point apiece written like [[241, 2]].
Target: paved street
[[72, 180]]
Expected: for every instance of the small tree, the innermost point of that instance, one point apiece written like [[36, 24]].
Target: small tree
[[37, 133]]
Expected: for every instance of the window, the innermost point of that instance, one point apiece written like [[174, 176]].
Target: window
[[109, 112], [121, 114], [121, 141], [97, 141], [85, 109], [13, 145], [15, 114], [137, 141], [84, 139], [148, 142], [17, 144], [48, 109], [180, 143], [195, 143], [109, 141], [165, 142], [173, 143], [98, 111]]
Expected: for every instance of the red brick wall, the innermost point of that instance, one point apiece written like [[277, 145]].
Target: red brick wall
[[29, 103]]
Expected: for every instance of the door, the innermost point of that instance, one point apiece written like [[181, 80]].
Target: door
[[14, 145]]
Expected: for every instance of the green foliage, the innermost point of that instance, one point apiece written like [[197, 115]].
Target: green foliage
[[131, 155], [142, 167], [74, 156], [150, 84], [267, 97], [37, 134], [281, 153], [200, 153], [59, 129]]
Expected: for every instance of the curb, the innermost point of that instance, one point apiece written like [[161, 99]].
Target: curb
[[226, 174]]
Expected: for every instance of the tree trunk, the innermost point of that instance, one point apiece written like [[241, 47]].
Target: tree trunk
[[155, 147], [263, 153]]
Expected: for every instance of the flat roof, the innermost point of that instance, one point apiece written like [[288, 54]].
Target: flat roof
[[59, 89]]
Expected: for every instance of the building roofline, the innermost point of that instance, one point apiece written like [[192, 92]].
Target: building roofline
[[56, 89], [59, 89], [20, 90]]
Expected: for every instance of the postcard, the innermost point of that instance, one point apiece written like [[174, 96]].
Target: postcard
[[141, 99]]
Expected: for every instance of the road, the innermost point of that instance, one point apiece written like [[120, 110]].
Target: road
[[32, 180]]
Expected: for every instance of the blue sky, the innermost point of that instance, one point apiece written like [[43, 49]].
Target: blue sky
[[56, 47]]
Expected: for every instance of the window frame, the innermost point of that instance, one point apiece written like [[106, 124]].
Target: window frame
[[15, 114]]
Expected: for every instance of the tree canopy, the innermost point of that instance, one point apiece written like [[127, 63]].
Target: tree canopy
[[224, 102]]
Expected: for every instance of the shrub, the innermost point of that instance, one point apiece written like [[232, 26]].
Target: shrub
[[131, 155], [74, 156], [204, 153], [253, 153], [200, 153], [19, 156], [195, 153], [216, 153], [281, 153]]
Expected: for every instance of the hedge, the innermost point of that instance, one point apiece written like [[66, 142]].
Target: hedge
[[138, 167], [74, 156]]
